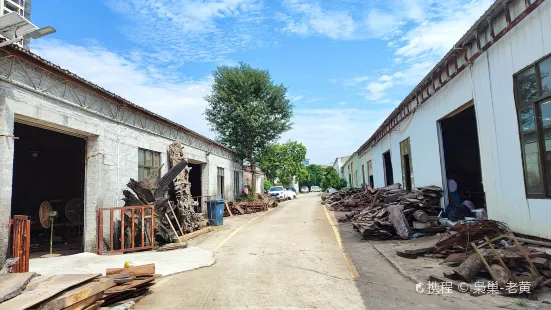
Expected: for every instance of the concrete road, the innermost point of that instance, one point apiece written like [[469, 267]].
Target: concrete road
[[289, 258]]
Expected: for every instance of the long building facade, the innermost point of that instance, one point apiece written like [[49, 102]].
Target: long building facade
[[482, 118], [64, 138]]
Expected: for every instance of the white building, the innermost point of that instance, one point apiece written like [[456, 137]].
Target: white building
[[481, 117], [62, 137], [338, 164]]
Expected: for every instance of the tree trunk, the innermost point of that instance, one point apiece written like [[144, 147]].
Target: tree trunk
[[253, 182], [469, 268]]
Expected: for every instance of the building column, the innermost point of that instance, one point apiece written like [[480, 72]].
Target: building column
[[7, 144], [92, 190]]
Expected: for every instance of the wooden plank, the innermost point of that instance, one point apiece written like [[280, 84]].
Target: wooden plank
[[228, 208], [77, 294], [85, 302], [130, 285], [196, 233], [95, 306], [412, 254], [44, 287], [148, 269], [12, 284]]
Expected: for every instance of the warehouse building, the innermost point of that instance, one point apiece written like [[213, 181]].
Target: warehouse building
[[65, 139], [480, 117]]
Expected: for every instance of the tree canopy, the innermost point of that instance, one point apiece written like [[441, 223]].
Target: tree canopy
[[283, 161], [314, 176], [332, 179], [247, 110]]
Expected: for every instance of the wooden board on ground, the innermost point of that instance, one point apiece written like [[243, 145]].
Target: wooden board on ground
[[413, 253], [86, 302], [77, 294], [142, 270], [12, 284], [172, 246], [196, 233], [399, 221], [44, 287], [95, 306], [130, 285]]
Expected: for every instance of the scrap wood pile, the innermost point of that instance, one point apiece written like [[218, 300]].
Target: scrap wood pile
[[488, 251], [74, 291], [154, 191], [261, 203], [390, 211]]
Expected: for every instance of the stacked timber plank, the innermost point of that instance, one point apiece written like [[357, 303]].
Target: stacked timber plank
[[253, 206], [74, 291], [391, 211]]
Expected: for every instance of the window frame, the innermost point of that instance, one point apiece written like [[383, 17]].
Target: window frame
[[144, 165], [535, 105], [220, 182], [370, 173]]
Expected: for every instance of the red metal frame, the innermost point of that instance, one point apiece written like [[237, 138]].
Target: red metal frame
[[20, 227], [122, 211]]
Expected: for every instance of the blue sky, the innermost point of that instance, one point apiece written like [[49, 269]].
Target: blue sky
[[346, 64]]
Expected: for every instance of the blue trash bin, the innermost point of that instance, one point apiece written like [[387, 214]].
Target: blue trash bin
[[215, 212]]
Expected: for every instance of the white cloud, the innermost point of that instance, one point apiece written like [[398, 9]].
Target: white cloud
[[191, 30], [296, 98], [426, 40], [308, 18], [180, 101], [328, 133], [355, 80], [332, 81], [341, 102]]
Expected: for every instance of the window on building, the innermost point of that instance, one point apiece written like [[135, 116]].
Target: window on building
[[370, 174], [533, 99], [363, 175], [236, 189], [220, 182], [148, 161]]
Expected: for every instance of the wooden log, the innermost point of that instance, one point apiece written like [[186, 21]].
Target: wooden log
[[142, 270], [541, 262], [399, 221], [420, 225], [421, 216], [543, 243], [456, 258], [144, 194], [469, 268], [502, 276], [196, 233]]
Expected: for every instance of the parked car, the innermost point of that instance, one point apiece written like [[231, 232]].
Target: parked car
[[290, 188], [281, 193], [315, 189], [304, 189]]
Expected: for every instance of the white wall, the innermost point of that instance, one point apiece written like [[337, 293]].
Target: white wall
[[112, 151], [489, 82]]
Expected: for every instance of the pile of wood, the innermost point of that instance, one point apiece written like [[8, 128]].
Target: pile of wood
[[74, 291], [488, 251], [154, 191], [390, 211], [253, 206]]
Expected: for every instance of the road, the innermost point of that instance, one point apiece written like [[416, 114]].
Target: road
[[289, 258]]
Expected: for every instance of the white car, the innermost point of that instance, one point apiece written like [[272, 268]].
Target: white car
[[281, 193], [304, 189], [315, 189]]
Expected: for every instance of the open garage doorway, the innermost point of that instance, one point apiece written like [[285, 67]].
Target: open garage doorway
[[459, 136], [195, 178], [48, 169]]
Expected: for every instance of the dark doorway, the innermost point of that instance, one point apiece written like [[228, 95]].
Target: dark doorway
[[195, 181], [49, 166], [407, 172], [462, 155], [389, 178]]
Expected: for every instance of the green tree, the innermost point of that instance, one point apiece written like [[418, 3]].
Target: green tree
[[314, 176], [267, 184], [284, 161], [247, 111], [332, 179]]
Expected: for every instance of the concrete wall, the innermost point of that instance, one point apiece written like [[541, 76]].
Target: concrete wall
[[112, 152], [489, 83]]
